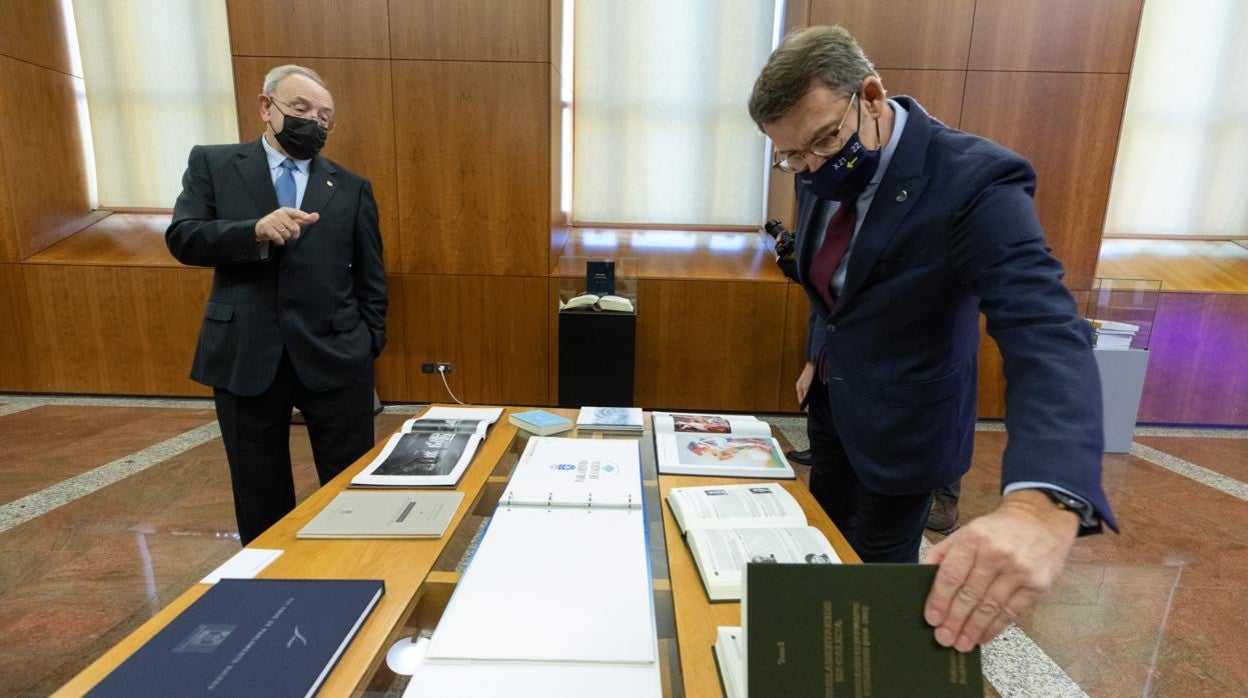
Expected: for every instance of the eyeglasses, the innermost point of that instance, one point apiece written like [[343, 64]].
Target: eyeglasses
[[824, 146], [305, 112]]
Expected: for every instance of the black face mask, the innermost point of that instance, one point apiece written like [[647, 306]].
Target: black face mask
[[301, 138]]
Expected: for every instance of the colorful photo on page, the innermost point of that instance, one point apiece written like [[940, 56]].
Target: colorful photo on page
[[701, 423], [720, 450]]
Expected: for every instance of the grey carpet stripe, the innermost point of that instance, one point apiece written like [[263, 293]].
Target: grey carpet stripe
[[1204, 476], [1195, 432], [1016, 666], [16, 404], [29, 401], [33, 505]]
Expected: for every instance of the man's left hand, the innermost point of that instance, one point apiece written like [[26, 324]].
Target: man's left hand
[[997, 567]]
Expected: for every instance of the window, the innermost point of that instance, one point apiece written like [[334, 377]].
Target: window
[[158, 81], [1180, 168], [662, 134]]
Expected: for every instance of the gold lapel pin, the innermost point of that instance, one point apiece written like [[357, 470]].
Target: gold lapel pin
[[329, 183]]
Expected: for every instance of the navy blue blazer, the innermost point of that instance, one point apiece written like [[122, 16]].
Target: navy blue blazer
[[952, 231], [322, 297]]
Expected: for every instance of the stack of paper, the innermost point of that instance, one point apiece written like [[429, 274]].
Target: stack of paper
[[1108, 334]]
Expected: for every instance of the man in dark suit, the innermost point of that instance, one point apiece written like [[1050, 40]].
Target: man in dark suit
[[906, 231], [297, 311]]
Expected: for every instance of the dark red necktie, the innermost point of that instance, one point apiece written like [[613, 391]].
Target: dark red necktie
[[827, 259]]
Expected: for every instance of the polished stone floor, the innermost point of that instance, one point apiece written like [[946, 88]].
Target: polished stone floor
[[111, 508]]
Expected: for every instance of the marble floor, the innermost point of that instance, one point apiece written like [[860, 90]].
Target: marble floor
[[111, 508]]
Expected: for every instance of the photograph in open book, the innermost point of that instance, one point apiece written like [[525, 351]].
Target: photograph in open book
[[701, 423], [432, 447], [718, 450]]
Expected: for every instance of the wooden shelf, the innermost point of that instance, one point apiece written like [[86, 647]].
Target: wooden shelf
[[120, 240]]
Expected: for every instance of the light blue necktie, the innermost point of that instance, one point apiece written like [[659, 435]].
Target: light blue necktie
[[285, 184]]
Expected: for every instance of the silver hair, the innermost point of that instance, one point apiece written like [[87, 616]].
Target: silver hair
[[276, 75], [827, 56]]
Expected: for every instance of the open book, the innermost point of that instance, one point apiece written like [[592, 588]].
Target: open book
[[728, 526], [717, 445], [432, 450]]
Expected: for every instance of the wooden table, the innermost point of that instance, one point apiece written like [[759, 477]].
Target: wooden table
[[420, 575]]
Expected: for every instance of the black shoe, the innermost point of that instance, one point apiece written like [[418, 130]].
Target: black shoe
[[802, 457], [943, 518]]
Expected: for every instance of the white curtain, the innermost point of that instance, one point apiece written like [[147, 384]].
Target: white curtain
[[662, 134], [159, 81], [1182, 165]]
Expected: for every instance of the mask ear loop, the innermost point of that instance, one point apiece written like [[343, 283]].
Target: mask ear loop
[[879, 142]]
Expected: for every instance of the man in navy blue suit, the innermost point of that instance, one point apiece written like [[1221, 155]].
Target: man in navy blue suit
[[907, 230]]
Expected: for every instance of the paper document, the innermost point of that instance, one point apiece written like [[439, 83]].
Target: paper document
[[554, 585], [245, 564]]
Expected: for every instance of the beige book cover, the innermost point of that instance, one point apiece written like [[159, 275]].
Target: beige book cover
[[371, 514]]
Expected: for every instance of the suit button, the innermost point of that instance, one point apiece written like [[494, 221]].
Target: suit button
[[831, 328]]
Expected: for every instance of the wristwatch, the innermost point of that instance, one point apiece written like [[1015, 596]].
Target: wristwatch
[[1089, 522]]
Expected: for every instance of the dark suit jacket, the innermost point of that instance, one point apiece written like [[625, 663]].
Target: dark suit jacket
[[952, 231], [321, 297]]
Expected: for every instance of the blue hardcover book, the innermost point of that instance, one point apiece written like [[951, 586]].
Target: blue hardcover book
[[540, 422], [249, 637]]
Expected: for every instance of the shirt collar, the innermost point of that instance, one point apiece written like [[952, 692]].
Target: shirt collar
[[275, 158], [899, 124]]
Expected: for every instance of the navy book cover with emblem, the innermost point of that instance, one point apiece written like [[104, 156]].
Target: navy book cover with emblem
[[249, 637]]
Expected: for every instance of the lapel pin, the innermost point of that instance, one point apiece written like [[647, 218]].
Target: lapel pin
[[329, 183], [902, 196]]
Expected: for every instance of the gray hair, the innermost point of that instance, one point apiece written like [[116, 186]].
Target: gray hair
[[827, 56], [277, 74]]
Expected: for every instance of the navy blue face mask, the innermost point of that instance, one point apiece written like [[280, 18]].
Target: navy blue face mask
[[844, 175]]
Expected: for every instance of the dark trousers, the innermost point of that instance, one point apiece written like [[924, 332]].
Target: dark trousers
[[880, 527], [256, 432]]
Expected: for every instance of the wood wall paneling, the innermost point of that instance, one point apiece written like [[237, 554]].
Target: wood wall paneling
[[991, 386], [310, 28], [127, 330], [1096, 36], [915, 34], [390, 377], [939, 91], [362, 141], [492, 328], [34, 31], [1072, 151], [552, 345], [473, 140], [44, 160], [555, 13], [17, 365], [709, 344], [797, 310], [471, 30], [10, 250], [560, 225]]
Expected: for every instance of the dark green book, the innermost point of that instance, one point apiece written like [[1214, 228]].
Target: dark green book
[[848, 630]]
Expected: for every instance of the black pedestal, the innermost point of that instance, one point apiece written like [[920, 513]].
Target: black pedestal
[[596, 354]]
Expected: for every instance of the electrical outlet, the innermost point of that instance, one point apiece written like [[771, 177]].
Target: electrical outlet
[[446, 364], [428, 367]]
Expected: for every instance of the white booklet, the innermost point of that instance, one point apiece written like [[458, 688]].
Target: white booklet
[[372, 514], [729, 526], [717, 445], [627, 419], [730, 657], [586, 473], [432, 450]]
